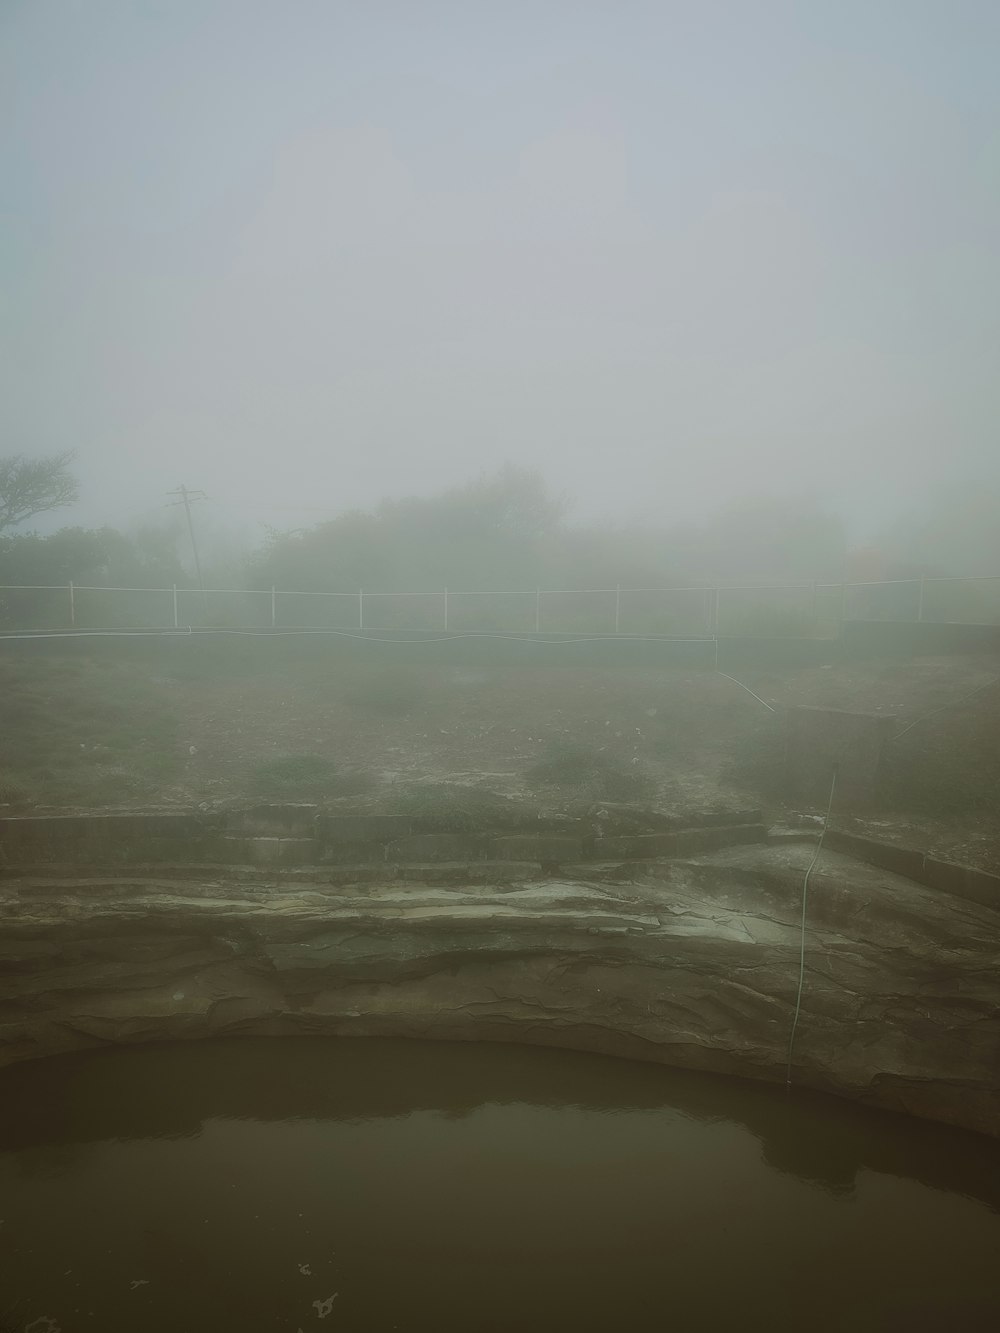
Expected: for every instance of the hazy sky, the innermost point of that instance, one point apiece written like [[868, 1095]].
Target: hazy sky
[[306, 254]]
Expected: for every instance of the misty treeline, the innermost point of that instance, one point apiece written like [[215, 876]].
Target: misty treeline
[[509, 531], [505, 531]]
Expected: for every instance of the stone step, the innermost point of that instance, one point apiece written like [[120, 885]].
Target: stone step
[[684, 842], [286, 820], [268, 851]]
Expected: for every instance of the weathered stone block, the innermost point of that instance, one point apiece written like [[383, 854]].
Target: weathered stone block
[[900, 860], [634, 847], [725, 818], [692, 840], [283, 821], [438, 847], [351, 853], [685, 842], [537, 847], [362, 828], [80, 838], [271, 851], [977, 886], [820, 739]]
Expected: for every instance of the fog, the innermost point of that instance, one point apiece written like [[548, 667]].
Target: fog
[[674, 255]]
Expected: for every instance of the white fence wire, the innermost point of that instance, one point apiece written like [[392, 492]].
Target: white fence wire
[[794, 610]]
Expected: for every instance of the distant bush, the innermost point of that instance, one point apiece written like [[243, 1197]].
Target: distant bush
[[307, 776], [17, 793], [468, 807], [593, 773]]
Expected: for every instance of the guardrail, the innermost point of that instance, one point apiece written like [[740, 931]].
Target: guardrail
[[806, 610]]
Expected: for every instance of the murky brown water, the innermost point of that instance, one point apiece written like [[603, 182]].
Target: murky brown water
[[298, 1184]]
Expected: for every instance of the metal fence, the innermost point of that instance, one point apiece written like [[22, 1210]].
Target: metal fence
[[794, 610]]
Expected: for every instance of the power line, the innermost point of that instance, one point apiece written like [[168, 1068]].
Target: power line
[[802, 932], [186, 497]]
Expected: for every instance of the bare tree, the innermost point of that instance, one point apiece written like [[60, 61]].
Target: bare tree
[[30, 486]]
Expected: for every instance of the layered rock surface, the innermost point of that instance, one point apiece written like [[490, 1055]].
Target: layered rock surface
[[691, 962]]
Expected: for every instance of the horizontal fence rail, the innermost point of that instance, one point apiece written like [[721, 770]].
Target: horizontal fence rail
[[699, 610]]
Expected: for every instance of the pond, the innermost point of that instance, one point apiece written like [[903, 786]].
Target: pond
[[301, 1184]]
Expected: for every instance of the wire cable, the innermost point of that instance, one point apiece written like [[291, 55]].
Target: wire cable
[[944, 707], [364, 636], [189, 631], [802, 933], [748, 690]]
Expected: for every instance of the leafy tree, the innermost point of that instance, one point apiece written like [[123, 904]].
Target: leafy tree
[[30, 486], [70, 553], [491, 533], [31, 566]]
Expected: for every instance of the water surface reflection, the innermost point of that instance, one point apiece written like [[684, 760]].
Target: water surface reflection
[[241, 1184]]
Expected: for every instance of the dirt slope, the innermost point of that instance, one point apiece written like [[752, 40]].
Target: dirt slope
[[137, 725]]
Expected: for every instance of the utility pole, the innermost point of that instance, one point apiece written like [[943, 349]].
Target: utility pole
[[186, 497]]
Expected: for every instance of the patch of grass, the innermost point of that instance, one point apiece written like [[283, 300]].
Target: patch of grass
[[307, 777], [592, 773], [82, 731], [16, 792], [757, 758], [392, 691]]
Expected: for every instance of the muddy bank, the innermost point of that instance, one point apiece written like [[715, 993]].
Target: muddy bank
[[692, 962]]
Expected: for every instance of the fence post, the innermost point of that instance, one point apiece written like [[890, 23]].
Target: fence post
[[72, 604], [361, 609], [538, 610], [274, 607], [618, 606], [920, 604], [176, 619], [715, 611], [446, 608], [845, 588]]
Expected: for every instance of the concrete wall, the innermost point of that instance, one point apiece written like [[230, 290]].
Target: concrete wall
[[819, 739], [978, 886], [366, 845], [886, 638], [304, 835]]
